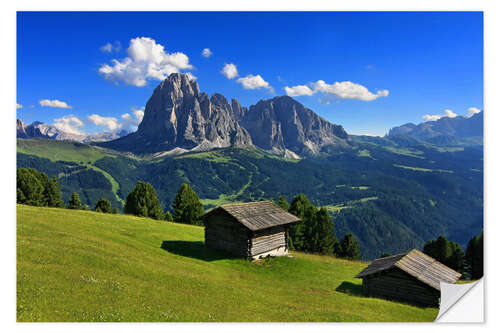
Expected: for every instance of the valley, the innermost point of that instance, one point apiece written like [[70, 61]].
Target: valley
[[374, 198], [392, 193]]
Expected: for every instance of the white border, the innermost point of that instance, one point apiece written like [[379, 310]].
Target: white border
[[7, 196]]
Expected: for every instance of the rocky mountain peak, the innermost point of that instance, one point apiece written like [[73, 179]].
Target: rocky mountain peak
[[180, 85], [284, 126], [177, 115]]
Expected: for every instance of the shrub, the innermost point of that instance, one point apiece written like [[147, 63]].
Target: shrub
[[349, 248], [103, 206], [74, 201], [168, 216]]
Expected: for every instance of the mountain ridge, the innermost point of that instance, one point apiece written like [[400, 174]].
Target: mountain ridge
[[445, 130], [179, 118], [39, 129]]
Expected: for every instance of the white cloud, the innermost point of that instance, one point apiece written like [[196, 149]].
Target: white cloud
[[108, 47], [130, 122], [429, 117], [449, 113], [348, 90], [54, 103], [299, 91], [69, 124], [18, 106], [472, 111], [146, 60], [253, 82], [342, 90], [110, 122], [433, 117], [138, 113], [230, 71], [206, 52]]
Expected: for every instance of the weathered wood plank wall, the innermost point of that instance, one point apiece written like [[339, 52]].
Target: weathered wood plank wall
[[398, 285]]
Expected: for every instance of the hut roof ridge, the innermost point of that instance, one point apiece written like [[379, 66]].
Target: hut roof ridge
[[257, 215]]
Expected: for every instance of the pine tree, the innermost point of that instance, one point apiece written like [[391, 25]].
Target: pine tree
[[311, 235], [187, 206], [168, 216], [44, 180], [300, 207], [74, 201], [282, 202], [349, 248], [446, 252], [20, 198], [439, 249], [103, 206], [326, 233], [142, 201], [474, 255], [53, 193], [456, 260], [30, 187]]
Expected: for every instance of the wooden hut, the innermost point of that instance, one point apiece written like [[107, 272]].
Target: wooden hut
[[411, 277], [252, 230]]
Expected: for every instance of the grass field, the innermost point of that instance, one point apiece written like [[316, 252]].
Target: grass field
[[349, 204], [60, 150], [420, 169], [87, 266]]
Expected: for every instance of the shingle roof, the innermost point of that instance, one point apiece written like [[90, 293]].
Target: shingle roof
[[257, 215], [417, 264]]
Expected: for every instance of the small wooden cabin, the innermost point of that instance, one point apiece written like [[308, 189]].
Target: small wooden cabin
[[252, 230], [411, 277]]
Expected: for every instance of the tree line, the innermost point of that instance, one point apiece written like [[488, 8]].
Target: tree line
[[468, 263], [315, 233], [36, 189]]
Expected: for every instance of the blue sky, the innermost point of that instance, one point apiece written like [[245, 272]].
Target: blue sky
[[365, 71]]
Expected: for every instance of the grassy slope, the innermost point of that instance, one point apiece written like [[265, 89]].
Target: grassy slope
[[86, 266], [60, 150], [69, 152]]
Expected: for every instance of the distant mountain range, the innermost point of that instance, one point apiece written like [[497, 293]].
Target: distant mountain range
[[178, 118], [46, 131], [445, 131]]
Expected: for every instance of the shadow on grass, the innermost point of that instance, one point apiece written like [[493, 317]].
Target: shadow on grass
[[350, 288], [196, 250]]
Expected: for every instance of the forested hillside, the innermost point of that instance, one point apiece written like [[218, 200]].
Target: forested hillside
[[392, 195]]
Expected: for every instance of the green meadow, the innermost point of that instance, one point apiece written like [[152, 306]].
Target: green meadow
[[87, 266], [61, 150]]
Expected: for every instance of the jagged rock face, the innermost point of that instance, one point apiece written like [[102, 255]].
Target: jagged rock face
[[178, 116], [284, 126], [238, 110], [21, 129]]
